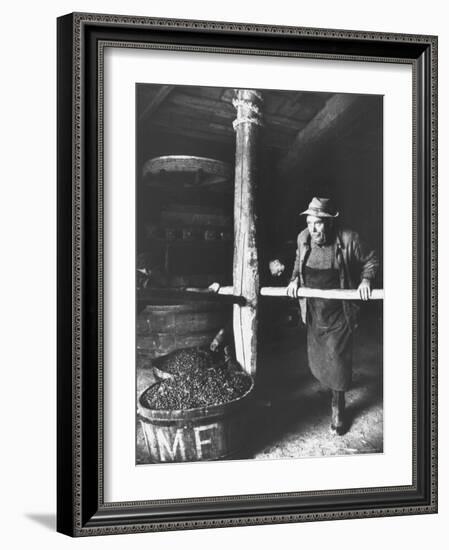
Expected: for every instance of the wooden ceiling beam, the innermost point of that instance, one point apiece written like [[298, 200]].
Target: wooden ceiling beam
[[190, 103], [192, 132], [333, 113], [155, 102]]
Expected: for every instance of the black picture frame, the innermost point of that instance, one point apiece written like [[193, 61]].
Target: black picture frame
[[81, 510]]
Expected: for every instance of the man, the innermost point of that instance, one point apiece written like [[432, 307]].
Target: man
[[329, 257], [277, 267]]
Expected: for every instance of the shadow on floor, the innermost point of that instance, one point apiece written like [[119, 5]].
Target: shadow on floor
[[46, 520], [294, 417]]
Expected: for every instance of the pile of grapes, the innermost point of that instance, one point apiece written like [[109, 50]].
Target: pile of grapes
[[198, 379], [185, 360]]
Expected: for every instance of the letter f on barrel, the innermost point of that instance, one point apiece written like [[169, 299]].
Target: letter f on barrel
[[199, 441]]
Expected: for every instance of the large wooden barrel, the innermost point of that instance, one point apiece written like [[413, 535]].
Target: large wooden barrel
[[164, 328], [204, 433]]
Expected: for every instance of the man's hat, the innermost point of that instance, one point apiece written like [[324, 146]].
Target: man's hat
[[321, 208]]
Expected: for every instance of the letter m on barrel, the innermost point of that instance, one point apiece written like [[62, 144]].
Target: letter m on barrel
[[171, 448]]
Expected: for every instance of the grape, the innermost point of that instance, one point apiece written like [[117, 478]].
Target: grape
[[197, 381]]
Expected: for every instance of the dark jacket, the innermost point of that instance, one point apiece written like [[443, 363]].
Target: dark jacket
[[355, 262]]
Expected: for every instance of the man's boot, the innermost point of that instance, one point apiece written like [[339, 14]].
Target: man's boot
[[338, 412]]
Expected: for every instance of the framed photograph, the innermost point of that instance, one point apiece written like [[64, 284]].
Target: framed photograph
[[247, 278]]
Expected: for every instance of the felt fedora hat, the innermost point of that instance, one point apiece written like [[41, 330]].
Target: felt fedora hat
[[321, 208]]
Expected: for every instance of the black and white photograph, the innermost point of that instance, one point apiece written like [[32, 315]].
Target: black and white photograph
[[259, 273], [224, 307], [247, 276]]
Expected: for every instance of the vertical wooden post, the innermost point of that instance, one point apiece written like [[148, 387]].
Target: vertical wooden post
[[246, 270]]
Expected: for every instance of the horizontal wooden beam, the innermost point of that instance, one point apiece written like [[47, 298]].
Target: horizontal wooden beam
[[156, 296], [280, 292], [328, 294], [216, 291]]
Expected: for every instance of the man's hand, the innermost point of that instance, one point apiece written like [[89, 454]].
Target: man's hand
[[214, 287], [365, 289], [292, 289]]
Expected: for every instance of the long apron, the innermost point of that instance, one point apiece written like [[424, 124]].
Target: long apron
[[329, 339]]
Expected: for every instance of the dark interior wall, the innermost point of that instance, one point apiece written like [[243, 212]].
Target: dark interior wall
[[183, 262], [153, 142], [346, 165]]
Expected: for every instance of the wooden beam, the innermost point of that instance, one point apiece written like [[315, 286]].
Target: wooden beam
[[303, 292], [333, 112], [275, 122], [245, 268], [191, 132], [155, 295], [328, 294], [201, 105], [156, 102]]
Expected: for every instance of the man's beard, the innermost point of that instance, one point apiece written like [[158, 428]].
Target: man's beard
[[324, 237], [320, 238]]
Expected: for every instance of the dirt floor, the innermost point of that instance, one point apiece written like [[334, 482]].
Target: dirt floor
[[291, 416]]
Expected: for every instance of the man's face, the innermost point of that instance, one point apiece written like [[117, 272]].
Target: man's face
[[318, 229]]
